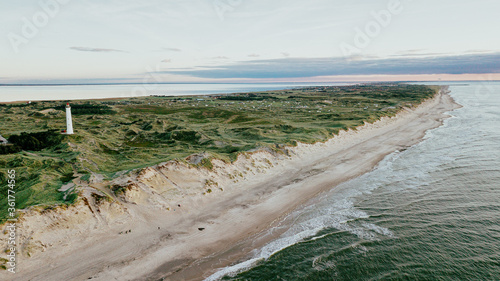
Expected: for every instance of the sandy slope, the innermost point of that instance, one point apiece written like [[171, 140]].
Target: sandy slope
[[165, 241]]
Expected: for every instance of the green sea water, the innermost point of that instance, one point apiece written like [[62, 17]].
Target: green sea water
[[431, 212]]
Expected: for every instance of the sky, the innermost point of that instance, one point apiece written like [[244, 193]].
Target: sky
[[174, 41]]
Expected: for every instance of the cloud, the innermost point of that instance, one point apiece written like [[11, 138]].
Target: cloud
[[98, 50], [311, 67], [480, 51], [417, 53], [359, 57], [172, 49], [412, 51]]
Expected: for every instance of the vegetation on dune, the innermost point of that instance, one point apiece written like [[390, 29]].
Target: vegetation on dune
[[120, 135], [9, 149], [87, 109], [36, 141]]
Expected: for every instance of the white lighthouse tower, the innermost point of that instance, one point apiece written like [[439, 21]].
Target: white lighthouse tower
[[69, 122]]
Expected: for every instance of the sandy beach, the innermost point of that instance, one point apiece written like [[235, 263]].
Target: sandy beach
[[197, 235]]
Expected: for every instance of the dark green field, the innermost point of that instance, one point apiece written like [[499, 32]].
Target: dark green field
[[112, 136]]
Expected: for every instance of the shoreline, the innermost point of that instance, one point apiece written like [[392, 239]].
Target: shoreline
[[317, 184], [205, 235]]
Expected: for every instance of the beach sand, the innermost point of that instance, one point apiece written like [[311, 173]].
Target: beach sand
[[192, 241]]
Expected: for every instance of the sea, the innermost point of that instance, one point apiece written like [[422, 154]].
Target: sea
[[10, 93], [430, 212]]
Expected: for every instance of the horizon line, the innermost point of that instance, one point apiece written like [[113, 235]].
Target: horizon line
[[236, 83]]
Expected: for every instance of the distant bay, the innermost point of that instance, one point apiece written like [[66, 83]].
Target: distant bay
[[102, 91]]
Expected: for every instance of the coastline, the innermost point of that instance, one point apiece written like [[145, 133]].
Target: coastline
[[300, 191], [257, 203]]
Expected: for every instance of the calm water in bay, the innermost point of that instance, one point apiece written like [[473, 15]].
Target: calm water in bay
[[72, 92], [431, 212]]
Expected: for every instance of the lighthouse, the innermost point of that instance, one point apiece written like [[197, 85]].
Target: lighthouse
[[69, 122]]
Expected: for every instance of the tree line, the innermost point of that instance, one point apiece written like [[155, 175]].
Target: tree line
[[88, 109], [32, 141]]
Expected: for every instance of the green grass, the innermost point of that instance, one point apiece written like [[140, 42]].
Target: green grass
[[118, 135]]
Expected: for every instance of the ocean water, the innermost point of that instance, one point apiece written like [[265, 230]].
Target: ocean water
[[431, 212], [72, 92]]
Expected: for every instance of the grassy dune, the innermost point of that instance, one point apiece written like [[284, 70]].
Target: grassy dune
[[113, 136]]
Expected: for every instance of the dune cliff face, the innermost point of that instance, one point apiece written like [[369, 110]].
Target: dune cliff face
[[141, 195], [169, 184]]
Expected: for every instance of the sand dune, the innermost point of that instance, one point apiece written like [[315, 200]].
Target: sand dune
[[181, 223]]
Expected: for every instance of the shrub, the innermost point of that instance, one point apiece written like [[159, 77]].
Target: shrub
[[37, 141], [88, 109], [186, 136], [70, 199], [9, 149], [207, 163]]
